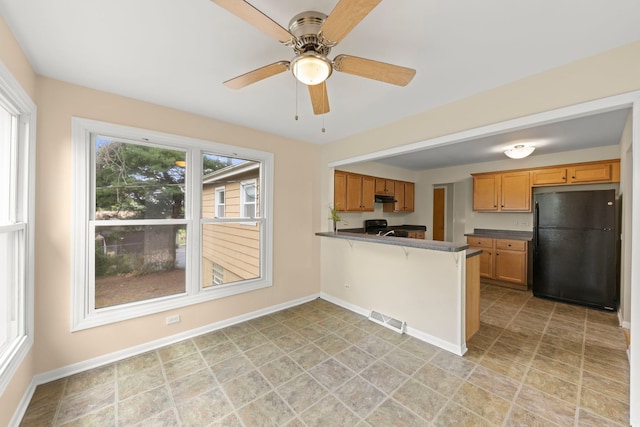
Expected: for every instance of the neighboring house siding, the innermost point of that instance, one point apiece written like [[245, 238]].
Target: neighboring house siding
[[234, 247]]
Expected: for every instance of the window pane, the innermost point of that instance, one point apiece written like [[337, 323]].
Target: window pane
[[9, 285], [231, 251], [136, 263], [137, 181], [6, 141], [227, 174]]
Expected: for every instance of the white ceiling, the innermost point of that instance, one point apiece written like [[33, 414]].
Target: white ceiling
[[178, 53]]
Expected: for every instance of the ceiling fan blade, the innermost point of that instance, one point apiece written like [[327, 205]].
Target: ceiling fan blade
[[345, 16], [253, 16], [257, 75], [375, 70], [319, 98]]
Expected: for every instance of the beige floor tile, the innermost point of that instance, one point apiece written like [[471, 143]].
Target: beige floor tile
[[384, 376], [140, 381], [177, 350], [546, 406], [210, 339], [355, 359], [204, 409], [604, 406], [331, 374], [520, 417], [245, 388], [309, 356], [456, 415], [489, 406], [329, 412], [280, 371], [302, 392], [360, 396], [268, 410], [86, 402], [390, 413], [189, 386], [494, 382], [420, 399], [554, 386], [144, 406], [439, 380]]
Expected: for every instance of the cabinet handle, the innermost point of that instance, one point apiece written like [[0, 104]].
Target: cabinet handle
[[573, 177]]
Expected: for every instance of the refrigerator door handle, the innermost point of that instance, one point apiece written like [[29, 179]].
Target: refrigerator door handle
[[536, 219]]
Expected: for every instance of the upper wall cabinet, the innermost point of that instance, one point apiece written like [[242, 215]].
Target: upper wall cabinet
[[353, 192], [404, 194], [581, 173], [510, 191], [502, 192], [385, 187]]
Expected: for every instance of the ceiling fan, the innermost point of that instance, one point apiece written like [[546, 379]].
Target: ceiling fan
[[312, 35]]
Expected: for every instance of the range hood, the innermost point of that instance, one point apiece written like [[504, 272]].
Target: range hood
[[384, 199]]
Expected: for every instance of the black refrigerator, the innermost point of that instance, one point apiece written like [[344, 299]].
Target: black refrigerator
[[575, 247]]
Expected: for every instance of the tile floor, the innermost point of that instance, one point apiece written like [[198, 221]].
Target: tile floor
[[533, 362]]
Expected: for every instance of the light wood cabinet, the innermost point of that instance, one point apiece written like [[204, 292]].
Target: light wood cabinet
[[385, 186], [416, 234], [551, 176], [502, 192], [340, 190], [510, 191], [503, 262], [589, 173], [404, 193], [353, 192], [472, 297]]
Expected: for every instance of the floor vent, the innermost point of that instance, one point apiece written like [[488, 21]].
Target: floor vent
[[389, 322]]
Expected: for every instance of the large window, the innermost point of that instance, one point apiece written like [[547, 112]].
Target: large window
[[160, 222], [17, 118]]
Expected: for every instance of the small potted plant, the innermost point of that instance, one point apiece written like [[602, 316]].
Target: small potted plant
[[335, 217]]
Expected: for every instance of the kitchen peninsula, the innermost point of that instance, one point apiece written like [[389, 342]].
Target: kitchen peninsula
[[433, 286]]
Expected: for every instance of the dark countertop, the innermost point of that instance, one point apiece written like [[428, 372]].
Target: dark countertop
[[394, 227], [501, 234], [433, 245], [473, 252]]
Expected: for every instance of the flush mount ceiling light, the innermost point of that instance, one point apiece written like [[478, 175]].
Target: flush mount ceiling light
[[519, 151], [311, 68]]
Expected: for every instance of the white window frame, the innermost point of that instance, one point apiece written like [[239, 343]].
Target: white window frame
[[83, 315], [243, 203], [18, 103], [217, 204]]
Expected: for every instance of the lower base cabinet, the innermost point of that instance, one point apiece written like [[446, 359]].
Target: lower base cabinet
[[472, 297], [504, 262]]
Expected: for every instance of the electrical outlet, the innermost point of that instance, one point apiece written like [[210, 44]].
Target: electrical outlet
[[173, 319]]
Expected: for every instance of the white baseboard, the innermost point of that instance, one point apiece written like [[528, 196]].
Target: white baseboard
[[422, 336], [75, 368]]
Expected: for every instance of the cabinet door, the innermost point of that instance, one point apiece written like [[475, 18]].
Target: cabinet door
[[486, 263], [354, 193], [599, 172], [549, 176], [368, 188], [340, 190], [511, 266], [515, 192], [485, 192], [409, 197], [384, 186], [399, 195]]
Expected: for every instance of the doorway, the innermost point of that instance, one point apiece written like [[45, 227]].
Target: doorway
[[438, 213]]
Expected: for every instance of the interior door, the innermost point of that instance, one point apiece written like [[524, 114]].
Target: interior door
[[438, 214]]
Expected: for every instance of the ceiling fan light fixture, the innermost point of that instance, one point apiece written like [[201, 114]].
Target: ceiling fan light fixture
[[519, 151], [311, 69]]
